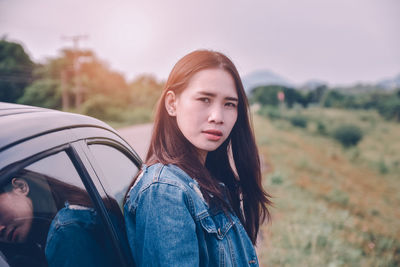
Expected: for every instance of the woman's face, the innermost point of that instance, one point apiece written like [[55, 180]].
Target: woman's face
[[16, 213], [206, 110]]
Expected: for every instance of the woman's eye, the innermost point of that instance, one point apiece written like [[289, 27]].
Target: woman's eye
[[205, 99], [230, 105]]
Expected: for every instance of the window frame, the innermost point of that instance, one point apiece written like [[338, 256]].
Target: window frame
[[96, 165]]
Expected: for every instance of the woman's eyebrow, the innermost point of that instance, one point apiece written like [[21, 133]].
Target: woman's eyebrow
[[232, 98], [213, 95], [206, 93]]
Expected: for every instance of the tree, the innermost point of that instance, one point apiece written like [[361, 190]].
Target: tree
[[75, 77], [145, 91], [97, 79], [333, 98], [390, 109], [266, 95], [293, 96], [16, 69], [316, 95], [46, 90], [44, 93]]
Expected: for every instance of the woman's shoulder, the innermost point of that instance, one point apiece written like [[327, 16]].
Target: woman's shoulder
[[169, 174], [159, 179]]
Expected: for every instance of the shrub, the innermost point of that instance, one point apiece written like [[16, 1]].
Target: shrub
[[299, 121], [274, 114], [321, 128], [383, 168], [100, 107], [276, 178], [333, 99], [348, 135], [270, 112], [337, 196], [390, 109], [137, 115]]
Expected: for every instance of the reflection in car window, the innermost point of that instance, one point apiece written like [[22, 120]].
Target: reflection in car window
[[47, 218], [117, 168], [58, 166]]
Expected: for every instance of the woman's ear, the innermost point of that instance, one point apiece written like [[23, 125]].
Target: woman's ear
[[170, 103], [20, 186]]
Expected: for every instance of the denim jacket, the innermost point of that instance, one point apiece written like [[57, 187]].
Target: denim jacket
[[76, 238], [168, 223]]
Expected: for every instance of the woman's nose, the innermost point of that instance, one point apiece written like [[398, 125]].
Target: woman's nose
[[216, 115]]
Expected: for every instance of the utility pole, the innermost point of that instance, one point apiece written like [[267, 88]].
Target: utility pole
[[64, 89], [78, 90]]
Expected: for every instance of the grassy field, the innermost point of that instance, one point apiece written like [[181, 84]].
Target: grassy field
[[332, 206]]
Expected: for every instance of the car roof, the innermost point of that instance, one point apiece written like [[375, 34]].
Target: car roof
[[21, 122]]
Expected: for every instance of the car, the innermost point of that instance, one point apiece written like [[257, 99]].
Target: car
[[63, 179]]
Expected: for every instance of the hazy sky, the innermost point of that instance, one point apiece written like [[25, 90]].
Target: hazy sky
[[338, 41]]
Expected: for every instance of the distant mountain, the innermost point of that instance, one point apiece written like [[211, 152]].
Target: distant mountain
[[390, 83], [260, 78], [265, 77], [311, 85]]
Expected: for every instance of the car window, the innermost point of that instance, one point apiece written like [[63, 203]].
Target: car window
[[58, 166], [118, 169], [48, 219]]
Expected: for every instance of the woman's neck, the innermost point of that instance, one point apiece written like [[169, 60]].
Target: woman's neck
[[202, 156]]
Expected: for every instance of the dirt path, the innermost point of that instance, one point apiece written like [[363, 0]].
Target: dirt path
[[138, 136]]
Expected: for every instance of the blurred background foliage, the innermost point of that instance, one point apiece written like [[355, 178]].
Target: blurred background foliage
[[387, 103], [76, 81], [16, 69], [330, 155]]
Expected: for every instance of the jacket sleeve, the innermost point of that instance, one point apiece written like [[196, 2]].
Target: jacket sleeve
[[161, 231], [73, 245]]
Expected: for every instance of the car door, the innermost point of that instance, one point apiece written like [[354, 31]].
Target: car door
[[57, 183]]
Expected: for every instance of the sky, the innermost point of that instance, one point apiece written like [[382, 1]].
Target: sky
[[336, 41]]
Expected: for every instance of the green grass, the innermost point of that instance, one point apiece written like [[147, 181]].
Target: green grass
[[131, 117], [118, 117], [333, 206]]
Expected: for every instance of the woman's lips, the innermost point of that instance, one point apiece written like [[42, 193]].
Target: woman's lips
[[213, 135]]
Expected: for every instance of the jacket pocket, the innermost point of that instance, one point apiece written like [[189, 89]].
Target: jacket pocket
[[218, 224]]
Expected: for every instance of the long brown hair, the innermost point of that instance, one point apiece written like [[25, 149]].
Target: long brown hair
[[243, 179]]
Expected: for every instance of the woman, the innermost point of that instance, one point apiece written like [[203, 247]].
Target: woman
[[27, 209], [199, 199]]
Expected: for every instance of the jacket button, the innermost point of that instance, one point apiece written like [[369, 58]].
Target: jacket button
[[219, 231]]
